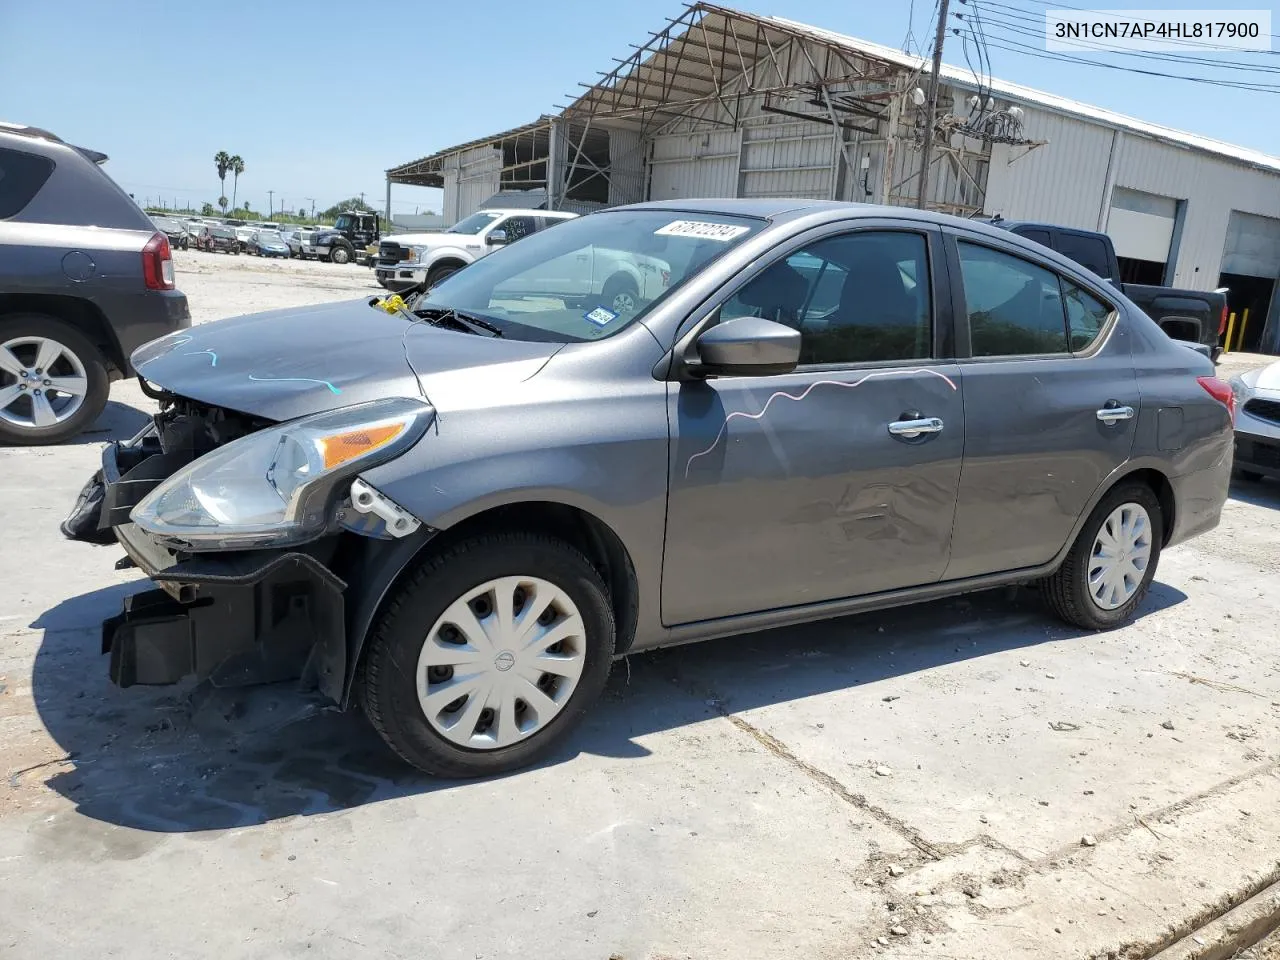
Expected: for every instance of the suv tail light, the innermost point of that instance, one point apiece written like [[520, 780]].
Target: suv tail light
[[157, 263], [1221, 391]]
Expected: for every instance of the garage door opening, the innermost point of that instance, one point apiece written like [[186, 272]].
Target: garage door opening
[[1144, 228], [1133, 270], [1252, 294]]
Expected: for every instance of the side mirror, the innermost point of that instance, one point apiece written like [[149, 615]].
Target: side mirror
[[748, 347], [496, 238]]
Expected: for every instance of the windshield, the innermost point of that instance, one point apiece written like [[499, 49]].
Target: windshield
[[345, 222], [474, 223], [270, 236], [166, 225], [591, 277], [223, 232]]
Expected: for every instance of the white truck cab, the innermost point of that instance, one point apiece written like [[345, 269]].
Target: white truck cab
[[416, 261]]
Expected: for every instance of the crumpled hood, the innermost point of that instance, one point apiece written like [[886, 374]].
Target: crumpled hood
[[289, 363]]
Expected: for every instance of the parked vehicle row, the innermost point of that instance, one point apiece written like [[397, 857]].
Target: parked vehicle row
[[462, 543]]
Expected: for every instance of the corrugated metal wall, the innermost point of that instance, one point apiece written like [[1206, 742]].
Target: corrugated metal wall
[[470, 178], [1066, 182], [626, 167], [1061, 182], [786, 160], [701, 164]]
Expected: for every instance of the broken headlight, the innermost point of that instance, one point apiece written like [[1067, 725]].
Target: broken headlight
[[272, 488]]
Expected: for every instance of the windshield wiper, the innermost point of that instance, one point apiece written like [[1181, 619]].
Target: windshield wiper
[[468, 322]]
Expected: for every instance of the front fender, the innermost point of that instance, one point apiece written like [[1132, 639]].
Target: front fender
[[433, 257]]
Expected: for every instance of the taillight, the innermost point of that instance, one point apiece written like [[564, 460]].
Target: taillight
[[157, 263], [1221, 391], [1222, 321]]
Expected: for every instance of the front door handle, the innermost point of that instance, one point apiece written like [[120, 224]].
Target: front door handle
[[1110, 415], [910, 429]]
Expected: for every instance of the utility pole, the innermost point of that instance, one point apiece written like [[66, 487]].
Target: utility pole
[[269, 203], [313, 206], [927, 154]]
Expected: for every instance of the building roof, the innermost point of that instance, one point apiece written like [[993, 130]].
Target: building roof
[[668, 75], [963, 77]]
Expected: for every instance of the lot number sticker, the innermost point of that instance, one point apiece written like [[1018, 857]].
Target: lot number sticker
[[600, 316], [701, 230]]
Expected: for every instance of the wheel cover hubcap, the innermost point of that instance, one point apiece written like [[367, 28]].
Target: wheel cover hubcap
[[624, 303], [501, 662], [42, 382], [1121, 554]]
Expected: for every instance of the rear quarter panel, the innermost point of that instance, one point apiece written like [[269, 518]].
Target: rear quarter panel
[[1182, 431]]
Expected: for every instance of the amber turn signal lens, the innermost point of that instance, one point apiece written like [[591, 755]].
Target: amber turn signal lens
[[341, 447]]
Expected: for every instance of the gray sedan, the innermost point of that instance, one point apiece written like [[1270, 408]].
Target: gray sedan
[[459, 513]]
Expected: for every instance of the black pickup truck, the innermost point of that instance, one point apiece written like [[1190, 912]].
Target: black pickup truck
[[1197, 316]]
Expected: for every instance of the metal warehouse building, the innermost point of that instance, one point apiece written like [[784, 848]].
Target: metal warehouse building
[[722, 103]]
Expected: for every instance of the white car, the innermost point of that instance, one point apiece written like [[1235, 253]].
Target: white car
[[1258, 422], [417, 261], [244, 236]]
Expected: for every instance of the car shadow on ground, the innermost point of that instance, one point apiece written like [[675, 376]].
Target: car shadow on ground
[[1260, 493], [118, 421], [188, 758]]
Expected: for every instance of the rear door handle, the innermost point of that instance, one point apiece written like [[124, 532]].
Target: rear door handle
[[1115, 414], [910, 429]]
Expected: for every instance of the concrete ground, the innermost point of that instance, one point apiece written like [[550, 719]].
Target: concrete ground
[[964, 779]]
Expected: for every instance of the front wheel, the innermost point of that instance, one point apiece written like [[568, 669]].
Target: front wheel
[[621, 294], [340, 255], [518, 642], [1109, 569]]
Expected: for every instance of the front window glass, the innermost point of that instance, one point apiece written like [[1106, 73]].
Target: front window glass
[[474, 223], [344, 222], [854, 298], [590, 277]]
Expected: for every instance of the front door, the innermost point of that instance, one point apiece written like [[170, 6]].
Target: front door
[[837, 479], [1051, 402]]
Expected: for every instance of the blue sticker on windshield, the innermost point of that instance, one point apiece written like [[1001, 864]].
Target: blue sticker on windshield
[[600, 316]]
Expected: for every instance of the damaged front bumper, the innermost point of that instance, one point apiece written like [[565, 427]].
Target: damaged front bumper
[[234, 618]]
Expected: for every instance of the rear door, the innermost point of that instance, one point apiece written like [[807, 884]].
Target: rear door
[[1051, 402]]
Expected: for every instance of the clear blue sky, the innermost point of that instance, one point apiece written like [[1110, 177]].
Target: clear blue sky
[[321, 96]]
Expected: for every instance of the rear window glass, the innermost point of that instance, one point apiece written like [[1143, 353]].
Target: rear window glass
[[21, 177], [1089, 252]]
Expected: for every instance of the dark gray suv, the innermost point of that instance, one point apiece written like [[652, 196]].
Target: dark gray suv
[[458, 513], [85, 278]]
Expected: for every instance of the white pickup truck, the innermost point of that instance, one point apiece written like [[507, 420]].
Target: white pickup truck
[[416, 261]]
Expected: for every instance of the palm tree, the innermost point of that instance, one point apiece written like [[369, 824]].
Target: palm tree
[[237, 168], [222, 160]]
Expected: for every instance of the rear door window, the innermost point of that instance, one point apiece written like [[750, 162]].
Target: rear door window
[[1014, 306], [1039, 236], [1086, 316], [21, 177]]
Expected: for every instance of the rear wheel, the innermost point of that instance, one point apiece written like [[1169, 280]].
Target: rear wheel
[[488, 655], [53, 381], [1109, 569]]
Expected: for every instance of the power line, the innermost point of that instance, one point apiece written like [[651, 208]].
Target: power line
[[1012, 46], [1054, 5], [1086, 45]]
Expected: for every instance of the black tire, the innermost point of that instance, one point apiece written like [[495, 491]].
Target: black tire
[[340, 254], [620, 285], [90, 357], [438, 275], [388, 675], [1249, 476], [1067, 590]]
